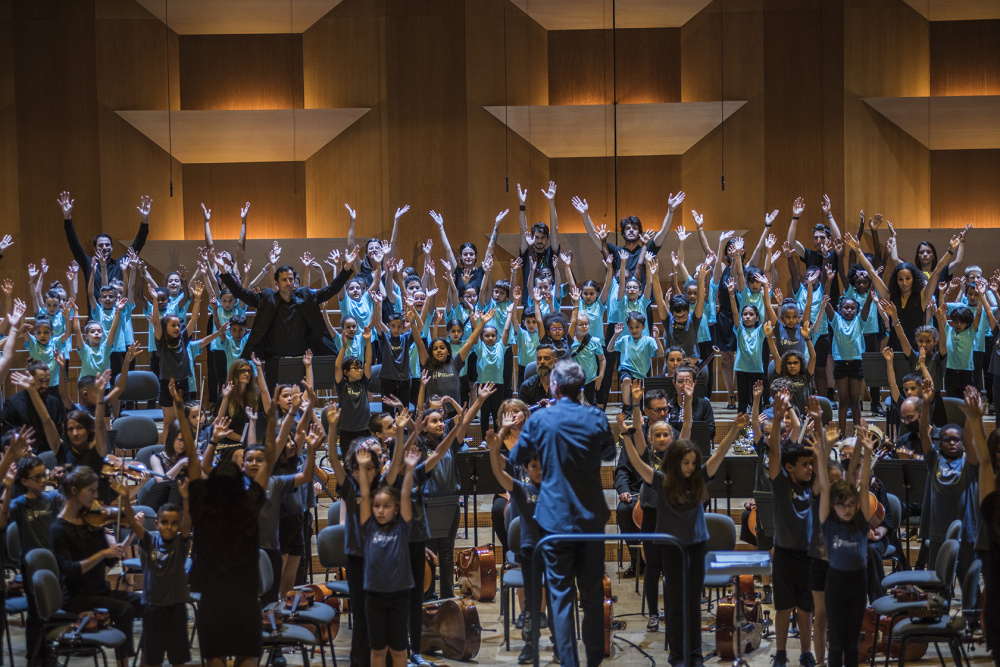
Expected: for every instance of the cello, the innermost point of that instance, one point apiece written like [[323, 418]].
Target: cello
[[477, 572], [452, 627], [610, 624], [738, 622]]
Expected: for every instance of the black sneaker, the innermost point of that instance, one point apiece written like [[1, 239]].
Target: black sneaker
[[807, 660], [779, 659], [527, 655], [544, 623], [878, 410], [630, 572], [519, 623], [768, 597]]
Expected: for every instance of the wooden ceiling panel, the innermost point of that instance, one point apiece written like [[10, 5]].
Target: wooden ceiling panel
[[956, 10], [597, 14], [238, 17], [945, 123], [243, 136], [566, 131]]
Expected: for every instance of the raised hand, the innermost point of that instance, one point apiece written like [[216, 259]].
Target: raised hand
[[602, 232], [550, 194], [758, 389], [769, 217], [6, 242], [486, 390], [401, 211], [66, 204], [438, 218], [351, 256], [8, 286], [206, 211], [428, 246], [770, 241], [806, 329], [674, 200], [580, 205], [682, 234], [220, 428], [798, 206], [826, 205], [500, 216], [351, 212], [522, 195], [699, 219], [768, 327]]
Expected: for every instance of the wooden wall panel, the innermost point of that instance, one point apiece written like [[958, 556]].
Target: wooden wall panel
[[500, 159], [800, 64], [582, 67], [963, 189], [9, 209], [276, 192], [241, 71], [965, 57], [57, 142], [735, 72], [426, 111], [344, 66], [887, 53], [132, 65]]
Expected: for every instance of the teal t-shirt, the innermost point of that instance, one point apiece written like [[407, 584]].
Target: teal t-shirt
[[636, 355], [527, 346], [869, 326], [749, 343], [360, 310], [355, 347], [489, 362], [224, 316], [594, 311], [848, 338], [588, 356], [45, 353], [95, 360], [193, 350], [960, 348], [106, 317], [234, 349]]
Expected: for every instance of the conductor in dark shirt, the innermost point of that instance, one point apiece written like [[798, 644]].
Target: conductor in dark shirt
[[19, 411], [536, 388], [288, 321], [570, 439]]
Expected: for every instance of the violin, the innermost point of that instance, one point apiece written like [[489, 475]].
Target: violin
[[98, 515], [298, 599], [88, 621], [477, 573], [115, 467], [272, 621], [452, 627], [323, 595]]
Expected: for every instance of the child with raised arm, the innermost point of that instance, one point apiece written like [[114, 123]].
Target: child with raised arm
[[848, 343], [172, 337], [523, 496], [680, 482], [165, 591], [95, 347], [843, 513], [385, 526], [637, 351], [794, 366], [43, 345], [352, 375]]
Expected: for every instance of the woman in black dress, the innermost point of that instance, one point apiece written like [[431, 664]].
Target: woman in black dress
[[224, 511], [84, 553]]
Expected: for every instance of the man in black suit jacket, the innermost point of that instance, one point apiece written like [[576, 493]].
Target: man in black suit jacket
[[18, 410], [287, 321]]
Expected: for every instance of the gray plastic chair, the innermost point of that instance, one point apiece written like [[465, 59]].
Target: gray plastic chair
[[288, 634], [333, 514], [135, 432], [331, 545], [721, 537], [48, 598]]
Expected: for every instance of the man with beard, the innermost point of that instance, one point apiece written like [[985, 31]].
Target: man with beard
[[102, 245], [539, 250], [536, 388]]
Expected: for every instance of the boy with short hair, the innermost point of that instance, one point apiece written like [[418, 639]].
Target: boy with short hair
[[42, 345], [637, 351], [95, 344], [790, 470]]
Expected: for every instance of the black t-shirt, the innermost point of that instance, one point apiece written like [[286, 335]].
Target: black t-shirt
[[543, 261], [353, 398], [395, 356], [631, 264]]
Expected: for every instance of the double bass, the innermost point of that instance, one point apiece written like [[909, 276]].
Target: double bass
[[452, 627]]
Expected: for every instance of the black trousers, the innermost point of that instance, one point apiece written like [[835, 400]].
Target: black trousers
[[499, 505], [533, 587], [846, 592], [654, 563], [416, 595], [398, 388], [744, 390], [674, 599], [361, 651], [571, 568], [444, 547]]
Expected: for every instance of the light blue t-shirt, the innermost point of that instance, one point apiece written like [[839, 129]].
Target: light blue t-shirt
[[415, 353], [869, 326], [489, 362], [152, 332], [588, 357], [360, 310], [355, 347], [984, 325], [234, 348], [748, 298], [225, 316], [45, 353], [59, 328], [638, 306], [960, 348], [463, 315], [594, 311], [749, 343], [178, 305], [107, 317], [710, 301], [527, 345], [636, 355], [95, 360], [848, 338], [193, 350], [455, 349], [817, 301], [499, 319]]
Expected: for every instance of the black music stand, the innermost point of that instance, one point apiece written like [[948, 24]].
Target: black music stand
[[289, 370], [735, 478], [873, 366], [765, 512], [476, 475], [700, 435], [907, 479]]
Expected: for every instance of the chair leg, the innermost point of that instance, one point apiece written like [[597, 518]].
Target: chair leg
[[305, 658], [937, 649], [135, 658], [10, 646]]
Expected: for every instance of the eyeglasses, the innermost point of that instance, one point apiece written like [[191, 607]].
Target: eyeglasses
[[39, 478], [245, 371]]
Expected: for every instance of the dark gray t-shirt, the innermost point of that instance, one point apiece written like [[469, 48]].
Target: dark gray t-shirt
[[270, 513], [445, 379], [387, 556], [164, 578], [174, 364], [685, 522], [953, 489], [34, 518], [354, 410], [792, 513], [846, 543]]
